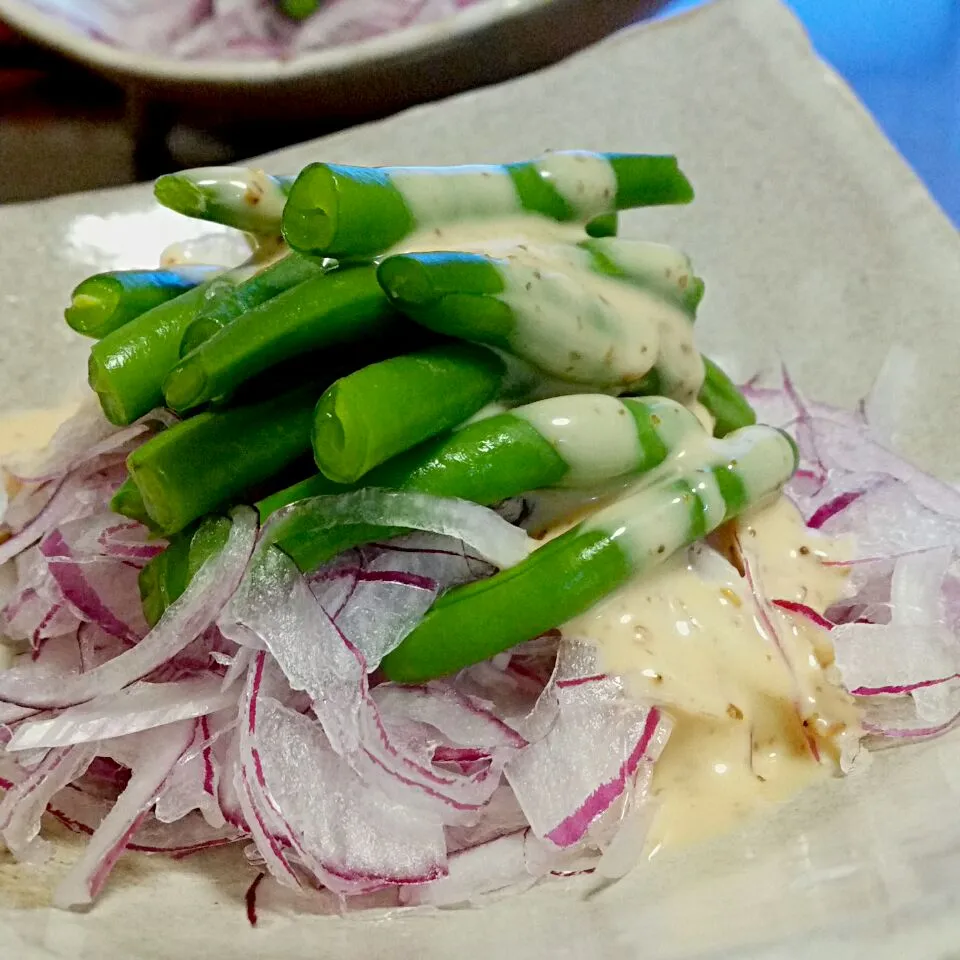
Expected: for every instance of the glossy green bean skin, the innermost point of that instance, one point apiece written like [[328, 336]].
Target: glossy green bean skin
[[342, 306], [672, 508], [106, 301], [487, 461], [386, 408], [341, 211], [204, 463], [223, 308], [128, 366], [729, 408], [128, 503]]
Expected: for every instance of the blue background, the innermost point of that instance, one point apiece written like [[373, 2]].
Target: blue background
[[902, 57]]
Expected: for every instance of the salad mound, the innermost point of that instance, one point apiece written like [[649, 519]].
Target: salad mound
[[386, 677]]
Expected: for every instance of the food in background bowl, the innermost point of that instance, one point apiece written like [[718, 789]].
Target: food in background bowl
[[248, 29]]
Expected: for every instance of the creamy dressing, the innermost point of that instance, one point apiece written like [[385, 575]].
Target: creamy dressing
[[244, 186], [31, 430], [445, 194], [748, 715], [595, 435], [592, 329], [658, 265], [574, 323], [662, 497], [585, 180]]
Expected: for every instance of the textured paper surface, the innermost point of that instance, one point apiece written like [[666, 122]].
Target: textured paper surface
[[817, 245]]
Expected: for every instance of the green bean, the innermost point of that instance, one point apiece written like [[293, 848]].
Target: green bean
[[676, 505], [605, 334], [105, 302], [238, 197], [653, 266], [164, 578], [207, 461], [344, 305], [128, 502], [383, 409], [342, 211], [729, 408], [128, 366], [299, 9], [719, 396], [225, 306], [562, 442]]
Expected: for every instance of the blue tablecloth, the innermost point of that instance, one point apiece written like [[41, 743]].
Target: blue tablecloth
[[902, 57]]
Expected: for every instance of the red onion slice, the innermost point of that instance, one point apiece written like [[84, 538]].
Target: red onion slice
[[210, 589], [86, 583], [349, 836], [497, 866], [195, 781], [141, 706], [24, 805], [586, 762], [159, 751], [275, 605], [483, 530]]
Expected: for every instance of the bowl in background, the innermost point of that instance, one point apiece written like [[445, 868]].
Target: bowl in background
[[371, 78]]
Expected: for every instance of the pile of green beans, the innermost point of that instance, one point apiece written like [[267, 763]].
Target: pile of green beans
[[375, 351]]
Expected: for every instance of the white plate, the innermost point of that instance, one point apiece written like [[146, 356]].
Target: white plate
[[817, 242]]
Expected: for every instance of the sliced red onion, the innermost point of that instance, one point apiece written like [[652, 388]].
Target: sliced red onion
[[24, 805], [202, 601], [916, 653], [517, 694], [36, 611], [158, 750], [275, 604], [64, 504], [889, 398], [195, 781], [500, 817], [137, 24], [11, 773], [396, 755], [85, 584], [905, 730], [495, 866], [801, 609], [245, 29], [625, 848], [462, 719], [141, 706], [445, 560], [374, 608], [129, 541], [565, 781], [351, 838], [486, 533], [546, 859], [83, 813]]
